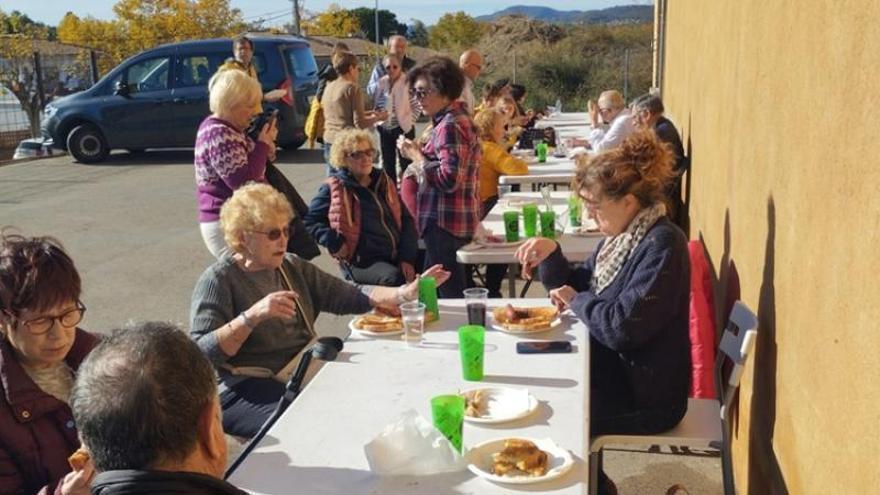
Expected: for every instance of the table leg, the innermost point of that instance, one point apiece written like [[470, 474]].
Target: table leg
[[511, 279]]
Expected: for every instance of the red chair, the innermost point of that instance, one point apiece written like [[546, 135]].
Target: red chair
[[702, 325]]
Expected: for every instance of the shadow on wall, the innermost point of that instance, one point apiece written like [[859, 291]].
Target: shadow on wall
[[685, 214], [765, 477]]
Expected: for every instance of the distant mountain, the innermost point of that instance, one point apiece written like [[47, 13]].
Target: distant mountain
[[618, 14]]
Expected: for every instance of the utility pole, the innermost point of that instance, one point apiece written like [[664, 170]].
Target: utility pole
[[378, 39], [296, 27]]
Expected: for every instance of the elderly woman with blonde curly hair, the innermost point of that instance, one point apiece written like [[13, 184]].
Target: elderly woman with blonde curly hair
[[225, 157], [359, 217], [253, 311], [633, 292]]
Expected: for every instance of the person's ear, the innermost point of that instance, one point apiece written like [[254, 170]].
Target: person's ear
[[211, 439]]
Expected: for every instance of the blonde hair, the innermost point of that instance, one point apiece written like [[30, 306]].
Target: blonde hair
[[641, 166], [230, 88], [252, 207], [346, 142], [485, 120]]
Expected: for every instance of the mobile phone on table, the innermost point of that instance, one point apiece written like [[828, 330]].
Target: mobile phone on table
[[543, 347]]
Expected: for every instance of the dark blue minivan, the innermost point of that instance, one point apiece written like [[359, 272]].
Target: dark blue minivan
[[157, 98]]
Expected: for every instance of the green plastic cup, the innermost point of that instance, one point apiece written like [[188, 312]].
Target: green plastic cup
[[428, 297], [548, 224], [574, 210], [530, 219], [541, 152], [447, 412], [470, 344], [511, 226]]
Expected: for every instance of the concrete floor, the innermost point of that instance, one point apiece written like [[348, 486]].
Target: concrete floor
[[130, 224]]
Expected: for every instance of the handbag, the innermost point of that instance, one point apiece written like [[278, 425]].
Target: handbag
[[532, 136], [300, 242], [314, 127]]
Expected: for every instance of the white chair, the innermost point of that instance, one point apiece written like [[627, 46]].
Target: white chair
[[706, 423]]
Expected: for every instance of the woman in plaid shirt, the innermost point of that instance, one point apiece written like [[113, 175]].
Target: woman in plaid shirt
[[447, 168]]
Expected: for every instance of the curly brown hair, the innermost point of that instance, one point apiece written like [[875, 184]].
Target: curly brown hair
[[641, 166]]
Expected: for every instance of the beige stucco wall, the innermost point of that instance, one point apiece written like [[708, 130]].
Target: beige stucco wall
[[779, 103]]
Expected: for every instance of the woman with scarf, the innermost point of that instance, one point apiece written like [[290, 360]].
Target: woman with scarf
[[632, 293]]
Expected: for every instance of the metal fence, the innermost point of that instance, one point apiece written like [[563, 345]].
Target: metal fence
[[30, 79]]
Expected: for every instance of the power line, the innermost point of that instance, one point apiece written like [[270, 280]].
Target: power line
[[265, 14]]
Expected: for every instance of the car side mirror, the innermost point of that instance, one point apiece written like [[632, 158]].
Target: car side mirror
[[120, 88]]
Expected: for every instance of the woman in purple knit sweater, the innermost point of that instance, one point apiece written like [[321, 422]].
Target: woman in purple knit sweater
[[225, 157], [633, 292]]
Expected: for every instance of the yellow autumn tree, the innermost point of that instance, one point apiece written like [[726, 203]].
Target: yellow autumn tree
[[455, 32], [143, 24], [335, 21]]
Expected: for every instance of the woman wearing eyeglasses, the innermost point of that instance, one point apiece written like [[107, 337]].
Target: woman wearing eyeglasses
[[358, 216], [392, 96], [446, 167], [40, 350], [633, 293], [254, 311]]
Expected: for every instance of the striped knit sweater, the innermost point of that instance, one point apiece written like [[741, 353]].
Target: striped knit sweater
[[225, 159]]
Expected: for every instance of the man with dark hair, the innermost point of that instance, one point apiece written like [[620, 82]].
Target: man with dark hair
[[243, 51], [145, 402]]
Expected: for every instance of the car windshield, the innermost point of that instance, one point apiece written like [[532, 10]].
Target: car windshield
[[302, 63]]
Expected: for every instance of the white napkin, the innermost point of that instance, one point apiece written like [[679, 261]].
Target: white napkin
[[412, 446]]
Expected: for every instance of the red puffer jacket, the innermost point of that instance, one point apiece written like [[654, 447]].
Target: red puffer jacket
[[37, 432]]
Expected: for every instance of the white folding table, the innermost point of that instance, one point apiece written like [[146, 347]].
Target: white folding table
[[316, 447], [575, 248]]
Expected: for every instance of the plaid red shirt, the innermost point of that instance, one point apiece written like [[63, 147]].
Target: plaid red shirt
[[451, 171]]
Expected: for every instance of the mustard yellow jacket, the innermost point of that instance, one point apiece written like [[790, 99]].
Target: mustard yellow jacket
[[496, 162]]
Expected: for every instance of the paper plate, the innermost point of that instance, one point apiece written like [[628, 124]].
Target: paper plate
[[504, 404], [498, 245], [553, 324], [369, 333], [480, 461]]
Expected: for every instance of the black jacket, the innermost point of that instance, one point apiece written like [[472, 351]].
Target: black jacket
[[378, 238], [125, 482], [640, 345]]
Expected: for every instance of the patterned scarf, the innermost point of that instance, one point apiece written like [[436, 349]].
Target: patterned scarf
[[617, 249]]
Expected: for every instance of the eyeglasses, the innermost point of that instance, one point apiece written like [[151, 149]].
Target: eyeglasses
[[274, 234], [389, 67], [594, 205], [361, 154], [43, 324], [422, 93]]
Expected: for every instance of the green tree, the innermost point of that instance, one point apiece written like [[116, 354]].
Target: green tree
[[388, 24], [418, 33], [335, 21], [18, 43], [455, 32]]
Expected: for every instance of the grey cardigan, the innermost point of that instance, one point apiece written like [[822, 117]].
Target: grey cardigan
[[224, 291]]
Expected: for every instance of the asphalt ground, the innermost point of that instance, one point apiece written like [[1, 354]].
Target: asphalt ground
[[130, 224]]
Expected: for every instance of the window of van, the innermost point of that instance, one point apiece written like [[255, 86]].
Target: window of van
[[196, 70], [301, 61], [148, 75]]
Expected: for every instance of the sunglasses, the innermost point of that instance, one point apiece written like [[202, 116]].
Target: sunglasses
[[361, 154], [389, 67], [274, 234], [422, 93], [43, 324]]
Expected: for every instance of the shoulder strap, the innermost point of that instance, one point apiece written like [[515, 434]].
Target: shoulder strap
[[299, 307]]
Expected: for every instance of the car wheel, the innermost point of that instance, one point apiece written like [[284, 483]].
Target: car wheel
[[86, 143]]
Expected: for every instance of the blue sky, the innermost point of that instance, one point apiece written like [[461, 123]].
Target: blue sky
[[428, 11]]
